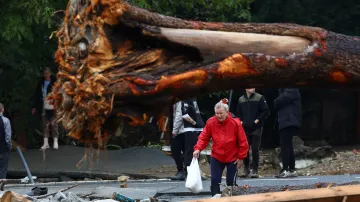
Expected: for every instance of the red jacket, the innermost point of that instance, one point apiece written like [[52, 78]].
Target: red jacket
[[229, 139]]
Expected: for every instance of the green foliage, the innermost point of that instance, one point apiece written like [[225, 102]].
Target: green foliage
[[24, 51], [154, 146], [338, 16], [204, 10]]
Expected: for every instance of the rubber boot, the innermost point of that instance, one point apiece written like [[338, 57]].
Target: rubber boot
[[56, 145], [46, 144]]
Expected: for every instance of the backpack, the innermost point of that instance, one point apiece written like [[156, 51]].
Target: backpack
[[190, 107]]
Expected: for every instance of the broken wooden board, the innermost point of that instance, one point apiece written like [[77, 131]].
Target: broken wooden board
[[10, 196], [332, 194]]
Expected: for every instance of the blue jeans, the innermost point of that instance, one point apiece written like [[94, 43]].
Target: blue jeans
[[217, 169]]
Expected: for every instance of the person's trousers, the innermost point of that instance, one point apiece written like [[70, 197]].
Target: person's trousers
[[254, 140], [184, 143], [287, 149], [49, 123], [217, 169], [4, 162]]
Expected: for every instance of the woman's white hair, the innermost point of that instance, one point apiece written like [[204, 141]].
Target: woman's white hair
[[221, 105]]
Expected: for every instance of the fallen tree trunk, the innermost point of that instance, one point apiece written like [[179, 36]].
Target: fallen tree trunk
[[117, 60], [332, 194]]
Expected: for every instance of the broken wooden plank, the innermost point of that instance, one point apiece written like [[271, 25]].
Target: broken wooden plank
[[333, 194], [10, 196]]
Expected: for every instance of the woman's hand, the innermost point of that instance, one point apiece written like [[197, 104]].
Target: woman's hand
[[196, 154], [238, 163]]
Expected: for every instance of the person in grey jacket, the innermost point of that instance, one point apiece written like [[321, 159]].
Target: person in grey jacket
[[187, 125], [5, 143]]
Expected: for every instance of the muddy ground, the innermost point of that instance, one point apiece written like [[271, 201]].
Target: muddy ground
[[345, 162]]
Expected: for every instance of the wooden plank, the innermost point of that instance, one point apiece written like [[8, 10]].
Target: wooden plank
[[332, 194], [10, 196]]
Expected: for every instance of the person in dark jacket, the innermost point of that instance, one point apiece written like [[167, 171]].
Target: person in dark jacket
[[5, 143], [187, 126], [252, 111], [289, 117], [45, 109]]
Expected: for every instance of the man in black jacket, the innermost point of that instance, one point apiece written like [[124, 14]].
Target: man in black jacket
[[289, 113], [45, 109], [252, 111]]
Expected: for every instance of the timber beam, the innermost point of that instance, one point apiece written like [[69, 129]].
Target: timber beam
[[332, 194]]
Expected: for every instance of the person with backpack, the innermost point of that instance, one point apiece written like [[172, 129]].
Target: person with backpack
[[187, 125]]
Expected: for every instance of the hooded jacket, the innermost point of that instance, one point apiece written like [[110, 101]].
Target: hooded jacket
[[229, 141], [288, 106]]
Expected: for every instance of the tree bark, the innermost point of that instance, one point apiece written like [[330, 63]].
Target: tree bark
[[117, 60]]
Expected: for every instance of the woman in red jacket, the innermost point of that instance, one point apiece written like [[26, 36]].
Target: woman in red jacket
[[229, 146]]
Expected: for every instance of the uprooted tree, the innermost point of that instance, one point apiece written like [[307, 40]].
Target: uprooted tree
[[120, 62]]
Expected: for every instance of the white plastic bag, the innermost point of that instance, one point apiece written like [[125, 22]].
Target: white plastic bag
[[193, 180]]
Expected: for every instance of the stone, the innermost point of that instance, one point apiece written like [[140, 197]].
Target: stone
[[123, 178], [305, 155]]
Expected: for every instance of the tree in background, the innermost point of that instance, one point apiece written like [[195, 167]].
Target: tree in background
[[24, 49], [338, 16]]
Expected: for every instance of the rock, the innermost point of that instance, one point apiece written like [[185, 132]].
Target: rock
[[203, 161], [123, 178], [124, 185], [317, 143], [61, 197], [304, 153]]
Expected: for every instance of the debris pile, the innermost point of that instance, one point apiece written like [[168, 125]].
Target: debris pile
[[99, 194], [10, 196]]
